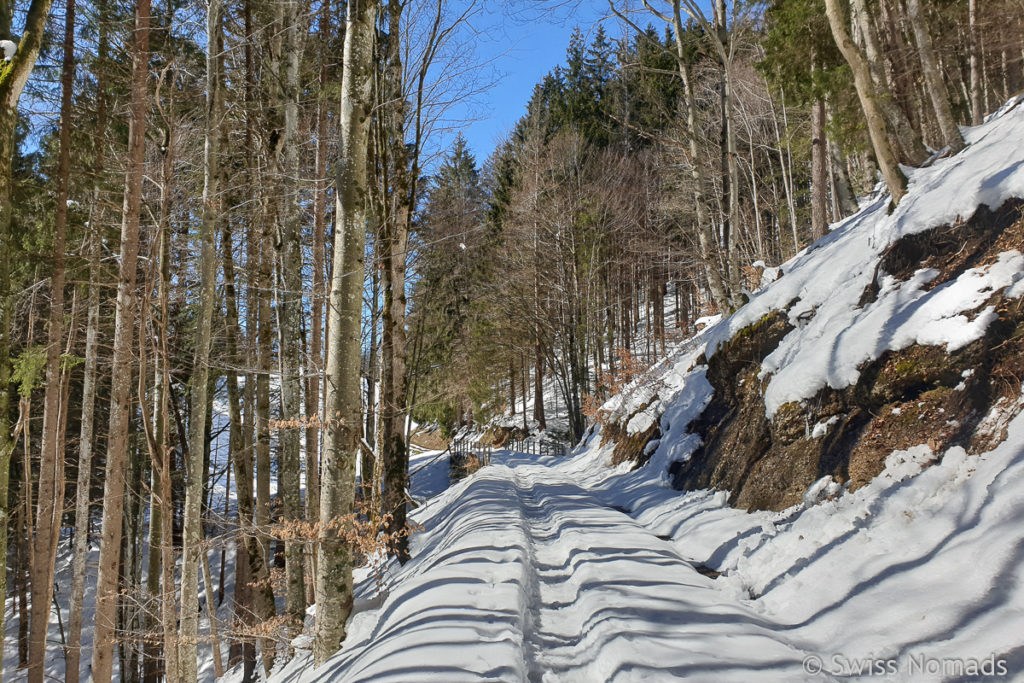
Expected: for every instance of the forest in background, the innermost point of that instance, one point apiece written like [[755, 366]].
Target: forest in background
[[203, 224]]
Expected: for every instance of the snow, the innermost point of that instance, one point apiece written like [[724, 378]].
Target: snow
[[640, 423], [821, 429]]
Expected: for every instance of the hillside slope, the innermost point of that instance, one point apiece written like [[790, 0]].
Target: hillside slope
[[866, 406], [893, 330]]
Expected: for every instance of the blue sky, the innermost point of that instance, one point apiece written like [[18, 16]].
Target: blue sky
[[521, 46]]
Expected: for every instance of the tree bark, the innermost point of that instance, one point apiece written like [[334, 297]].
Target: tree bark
[[894, 178], [341, 446], [393, 450], [51, 461], [257, 389], [315, 361], [730, 170], [248, 558], [121, 365], [13, 77], [192, 532], [936, 87], [85, 451], [975, 57], [86, 433], [819, 171], [905, 138]]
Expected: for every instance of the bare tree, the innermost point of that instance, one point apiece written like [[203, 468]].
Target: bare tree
[[343, 424]]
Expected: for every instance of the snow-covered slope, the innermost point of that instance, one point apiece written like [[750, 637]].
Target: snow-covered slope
[[572, 570]]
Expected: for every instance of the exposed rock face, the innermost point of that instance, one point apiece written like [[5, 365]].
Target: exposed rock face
[[630, 446], [921, 394]]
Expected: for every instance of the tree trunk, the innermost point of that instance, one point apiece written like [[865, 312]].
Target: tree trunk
[[341, 445], [819, 171], [906, 139], [192, 533], [289, 310], [211, 614], [894, 177], [730, 170], [123, 358], [257, 393], [705, 238], [315, 361], [13, 77], [248, 559], [936, 86], [86, 433], [975, 52], [393, 450], [163, 520], [85, 449], [51, 462], [161, 548]]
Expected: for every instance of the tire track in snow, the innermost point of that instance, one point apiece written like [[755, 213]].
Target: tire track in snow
[[609, 600], [532, 647]]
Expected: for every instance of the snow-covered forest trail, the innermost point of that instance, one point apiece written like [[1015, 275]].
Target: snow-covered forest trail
[[525, 575], [607, 597]]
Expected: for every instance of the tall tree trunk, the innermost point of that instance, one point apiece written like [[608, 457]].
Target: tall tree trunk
[[394, 453], [192, 533], [705, 237], [257, 393], [130, 560], [975, 56], [86, 433], [290, 305], [819, 171], [730, 170], [162, 520], [341, 446], [211, 613], [13, 77], [248, 559], [894, 177], [123, 360], [258, 262], [85, 450], [936, 86], [315, 360], [844, 195], [51, 462], [161, 544]]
